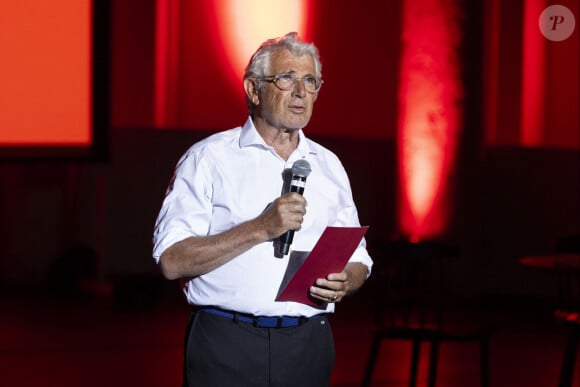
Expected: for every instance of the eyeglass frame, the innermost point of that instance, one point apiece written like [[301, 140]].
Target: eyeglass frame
[[275, 78]]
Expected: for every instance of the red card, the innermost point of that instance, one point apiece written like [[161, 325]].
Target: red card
[[330, 255]]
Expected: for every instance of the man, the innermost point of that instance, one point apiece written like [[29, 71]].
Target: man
[[222, 216]]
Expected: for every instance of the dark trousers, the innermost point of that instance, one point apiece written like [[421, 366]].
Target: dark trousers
[[220, 352]]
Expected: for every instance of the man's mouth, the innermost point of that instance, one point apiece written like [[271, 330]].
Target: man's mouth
[[297, 109]]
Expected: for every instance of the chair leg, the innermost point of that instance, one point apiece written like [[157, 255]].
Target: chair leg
[[415, 363], [433, 360], [376, 345], [567, 370], [484, 361]]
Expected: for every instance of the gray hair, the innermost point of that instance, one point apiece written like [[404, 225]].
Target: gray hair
[[259, 64]]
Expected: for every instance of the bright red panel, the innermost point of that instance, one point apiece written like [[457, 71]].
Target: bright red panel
[[45, 72], [533, 71]]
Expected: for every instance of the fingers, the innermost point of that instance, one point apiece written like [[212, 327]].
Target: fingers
[[331, 289], [326, 295], [292, 209], [283, 214]]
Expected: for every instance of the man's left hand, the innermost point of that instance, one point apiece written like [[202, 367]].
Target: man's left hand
[[332, 288]]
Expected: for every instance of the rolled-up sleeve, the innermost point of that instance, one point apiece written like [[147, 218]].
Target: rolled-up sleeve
[[186, 209]]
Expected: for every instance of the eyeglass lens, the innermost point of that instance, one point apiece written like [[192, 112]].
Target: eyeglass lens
[[287, 81]]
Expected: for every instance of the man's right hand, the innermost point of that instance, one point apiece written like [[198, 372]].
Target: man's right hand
[[283, 214]]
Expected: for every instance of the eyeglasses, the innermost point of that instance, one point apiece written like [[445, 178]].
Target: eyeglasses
[[287, 81]]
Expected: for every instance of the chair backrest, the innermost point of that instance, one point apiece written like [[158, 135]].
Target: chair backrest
[[568, 247]]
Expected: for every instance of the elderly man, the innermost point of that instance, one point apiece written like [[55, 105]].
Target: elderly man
[[221, 220]]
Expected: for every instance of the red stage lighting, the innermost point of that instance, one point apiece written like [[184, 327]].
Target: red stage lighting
[[429, 117]]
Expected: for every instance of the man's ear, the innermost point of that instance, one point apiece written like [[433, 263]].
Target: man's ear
[[251, 91]]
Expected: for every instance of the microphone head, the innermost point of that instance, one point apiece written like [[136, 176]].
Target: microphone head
[[301, 168]]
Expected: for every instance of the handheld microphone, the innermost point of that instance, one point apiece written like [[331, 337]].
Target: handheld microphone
[[300, 171]]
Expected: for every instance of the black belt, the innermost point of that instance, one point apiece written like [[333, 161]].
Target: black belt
[[259, 321]]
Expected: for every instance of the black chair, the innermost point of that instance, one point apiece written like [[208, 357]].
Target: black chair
[[568, 311], [414, 305]]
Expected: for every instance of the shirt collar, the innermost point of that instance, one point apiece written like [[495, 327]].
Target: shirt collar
[[250, 137]]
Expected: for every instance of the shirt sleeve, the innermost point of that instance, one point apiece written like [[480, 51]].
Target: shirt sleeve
[[348, 216], [186, 209]]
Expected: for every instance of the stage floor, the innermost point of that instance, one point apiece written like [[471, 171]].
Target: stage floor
[[93, 341]]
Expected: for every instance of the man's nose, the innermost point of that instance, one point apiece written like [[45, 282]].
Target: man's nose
[[298, 88]]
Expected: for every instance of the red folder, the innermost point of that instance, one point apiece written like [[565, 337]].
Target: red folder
[[330, 255]]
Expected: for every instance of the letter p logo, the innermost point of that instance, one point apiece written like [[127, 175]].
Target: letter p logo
[[556, 20], [556, 23]]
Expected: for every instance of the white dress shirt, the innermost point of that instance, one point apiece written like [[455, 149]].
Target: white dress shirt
[[231, 177]]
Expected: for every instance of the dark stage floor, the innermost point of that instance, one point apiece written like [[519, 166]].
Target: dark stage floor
[[99, 341]]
